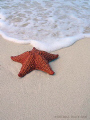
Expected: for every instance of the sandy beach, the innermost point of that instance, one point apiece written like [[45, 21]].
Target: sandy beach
[[39, 96]]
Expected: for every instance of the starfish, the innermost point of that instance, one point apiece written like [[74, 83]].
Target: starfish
[[34, 60]]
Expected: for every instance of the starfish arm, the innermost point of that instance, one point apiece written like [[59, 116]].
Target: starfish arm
[[27, 66], [48, 56], [20, 58], [42, 64]]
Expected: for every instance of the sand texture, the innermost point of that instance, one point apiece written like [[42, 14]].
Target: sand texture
[[39, 96]]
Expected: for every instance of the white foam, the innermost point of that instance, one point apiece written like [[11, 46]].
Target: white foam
[[2, 16], [13, 39], [61, 43], [87, 35], [2, 20], [2, 23], [58, 44], [45, 24]]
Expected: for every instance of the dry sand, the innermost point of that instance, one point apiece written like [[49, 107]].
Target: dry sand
[[39, 96]]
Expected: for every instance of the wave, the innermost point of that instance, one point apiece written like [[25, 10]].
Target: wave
[[58, 44]]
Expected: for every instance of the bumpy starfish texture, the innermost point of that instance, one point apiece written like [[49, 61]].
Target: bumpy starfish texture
[[34, 60]]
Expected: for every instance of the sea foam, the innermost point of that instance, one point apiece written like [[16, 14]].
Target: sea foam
[[45, 24], [60, 43]]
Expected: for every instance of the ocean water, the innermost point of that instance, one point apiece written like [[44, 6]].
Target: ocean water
[[45, 24]]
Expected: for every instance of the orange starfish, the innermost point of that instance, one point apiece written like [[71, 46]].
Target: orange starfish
[[34, 60]]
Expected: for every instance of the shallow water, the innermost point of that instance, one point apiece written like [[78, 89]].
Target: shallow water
[[45, 21]]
